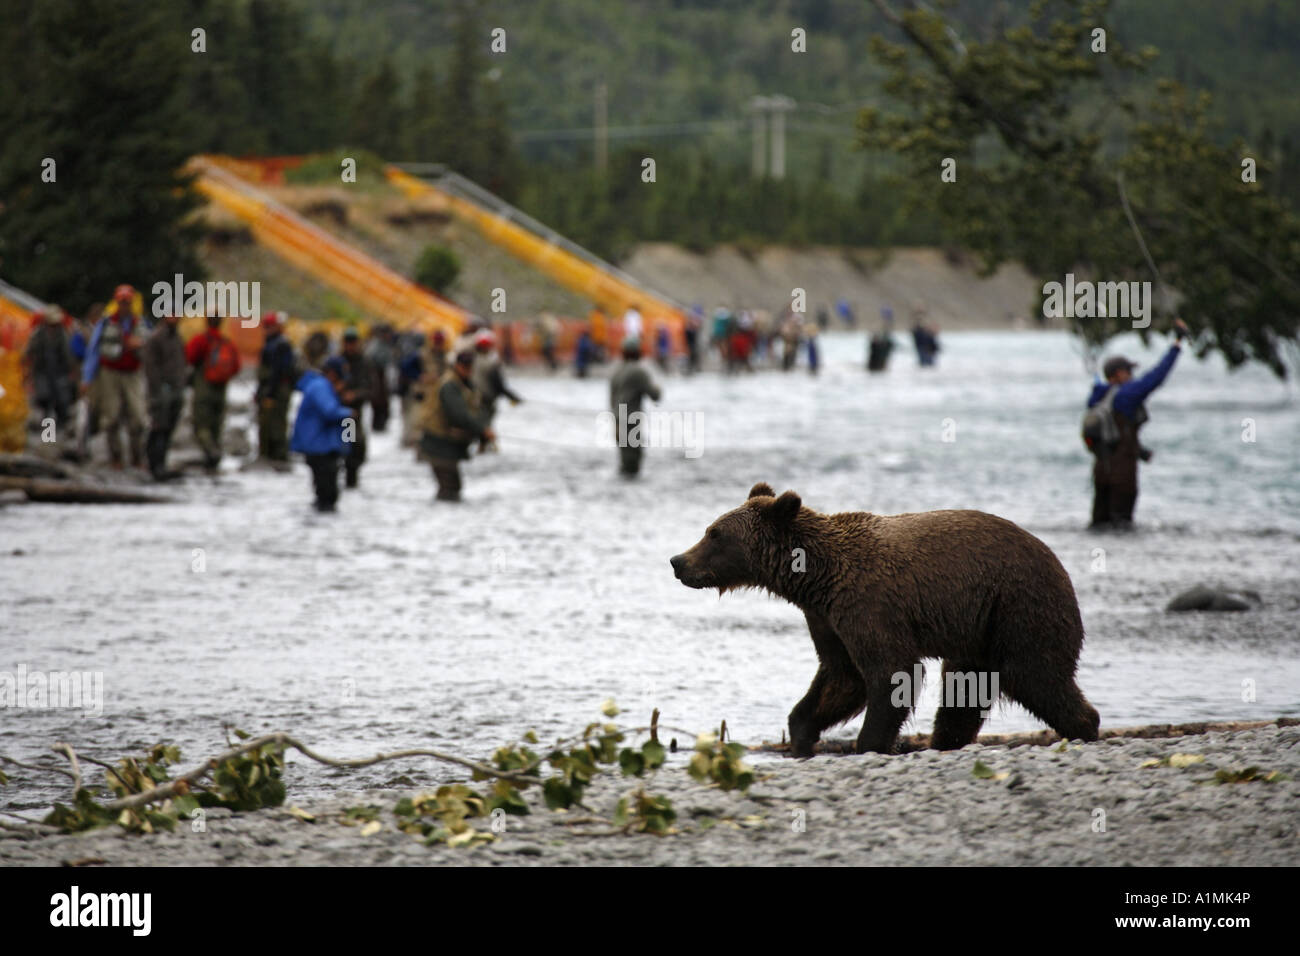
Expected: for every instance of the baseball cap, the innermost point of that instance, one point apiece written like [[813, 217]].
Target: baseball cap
[[1115, 364]]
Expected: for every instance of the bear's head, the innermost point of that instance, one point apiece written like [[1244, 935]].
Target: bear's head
[[738, 549]]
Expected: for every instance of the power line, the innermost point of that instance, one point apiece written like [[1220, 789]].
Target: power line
[[684, 128], [625, 132]]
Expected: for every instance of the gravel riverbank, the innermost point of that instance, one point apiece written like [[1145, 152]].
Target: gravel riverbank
[[1041, 806]]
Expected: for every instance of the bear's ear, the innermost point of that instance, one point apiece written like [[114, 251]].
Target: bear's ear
[[784, 508], [762, 488]]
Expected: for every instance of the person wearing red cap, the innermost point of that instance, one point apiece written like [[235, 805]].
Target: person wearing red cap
[[276, 376], [489, 379], [113, 363]]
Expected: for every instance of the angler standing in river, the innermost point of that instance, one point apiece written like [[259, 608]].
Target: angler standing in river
[[1116, 413]]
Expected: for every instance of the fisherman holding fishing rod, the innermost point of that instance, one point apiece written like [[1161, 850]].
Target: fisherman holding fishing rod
[[1116, 411]]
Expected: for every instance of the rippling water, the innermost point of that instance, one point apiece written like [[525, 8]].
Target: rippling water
[[398, 623]]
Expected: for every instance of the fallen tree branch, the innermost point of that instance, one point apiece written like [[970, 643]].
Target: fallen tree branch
[[166, 790], [71, 754], [32, 766], [106, 765]]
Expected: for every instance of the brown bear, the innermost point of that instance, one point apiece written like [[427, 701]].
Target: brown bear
[[882, 592]]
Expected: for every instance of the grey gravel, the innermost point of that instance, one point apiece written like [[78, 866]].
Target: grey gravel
[[924, 808]]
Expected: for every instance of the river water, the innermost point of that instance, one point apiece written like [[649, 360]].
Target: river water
[[400, 623]]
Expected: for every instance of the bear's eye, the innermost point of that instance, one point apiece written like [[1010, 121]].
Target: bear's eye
[[714, 534]]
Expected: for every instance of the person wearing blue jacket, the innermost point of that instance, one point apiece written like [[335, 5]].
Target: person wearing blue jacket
[[1115, 471], [318, 431]]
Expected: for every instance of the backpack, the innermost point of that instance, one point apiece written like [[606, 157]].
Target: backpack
[[1100, 430], [221, 363]]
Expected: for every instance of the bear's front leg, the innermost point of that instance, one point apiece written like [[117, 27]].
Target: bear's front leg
[[834, 696], [884, 719]]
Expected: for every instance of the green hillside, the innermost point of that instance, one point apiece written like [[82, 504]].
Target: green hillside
[[692, 67]]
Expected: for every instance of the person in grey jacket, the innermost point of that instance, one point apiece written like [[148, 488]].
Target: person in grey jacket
[[628, 387], [450, 419], [165, 373]]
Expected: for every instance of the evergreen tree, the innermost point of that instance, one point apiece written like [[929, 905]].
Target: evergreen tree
[[425, 130], [465, 150], [275, 74], [106, 105], [378, 120], [217, 93]]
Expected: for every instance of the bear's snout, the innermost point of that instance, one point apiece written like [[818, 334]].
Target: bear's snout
[[682, 570]]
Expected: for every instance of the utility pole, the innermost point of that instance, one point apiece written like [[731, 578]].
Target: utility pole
[[602, 127], [768, 153], [778, 106], [758, 109]]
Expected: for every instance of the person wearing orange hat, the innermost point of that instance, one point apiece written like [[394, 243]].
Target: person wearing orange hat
[[113, 363], [276, 376]]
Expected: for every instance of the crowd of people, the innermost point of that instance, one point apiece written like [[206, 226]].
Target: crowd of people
[[119, 372], [133, 374]]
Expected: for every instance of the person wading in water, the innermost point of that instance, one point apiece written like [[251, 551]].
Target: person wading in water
[[1116, 413]]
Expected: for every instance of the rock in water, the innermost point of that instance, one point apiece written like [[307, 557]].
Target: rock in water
[[1202, 598]]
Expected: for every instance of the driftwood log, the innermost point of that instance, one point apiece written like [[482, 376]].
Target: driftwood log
[[1043, 738], [33, 466], [76, 492]]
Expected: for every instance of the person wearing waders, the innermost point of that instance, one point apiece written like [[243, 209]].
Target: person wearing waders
[[216, 362], [489, 380], [1116, 413], [275, 383], [381, 351], [358, 387], [110, 376], [450, 420], [165, 374], [51, 366], [318, 431], [628, 387], [584, 353]]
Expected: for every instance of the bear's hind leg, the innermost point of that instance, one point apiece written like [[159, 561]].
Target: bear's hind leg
[[834, 696], [958, 720], [1060, 705]]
